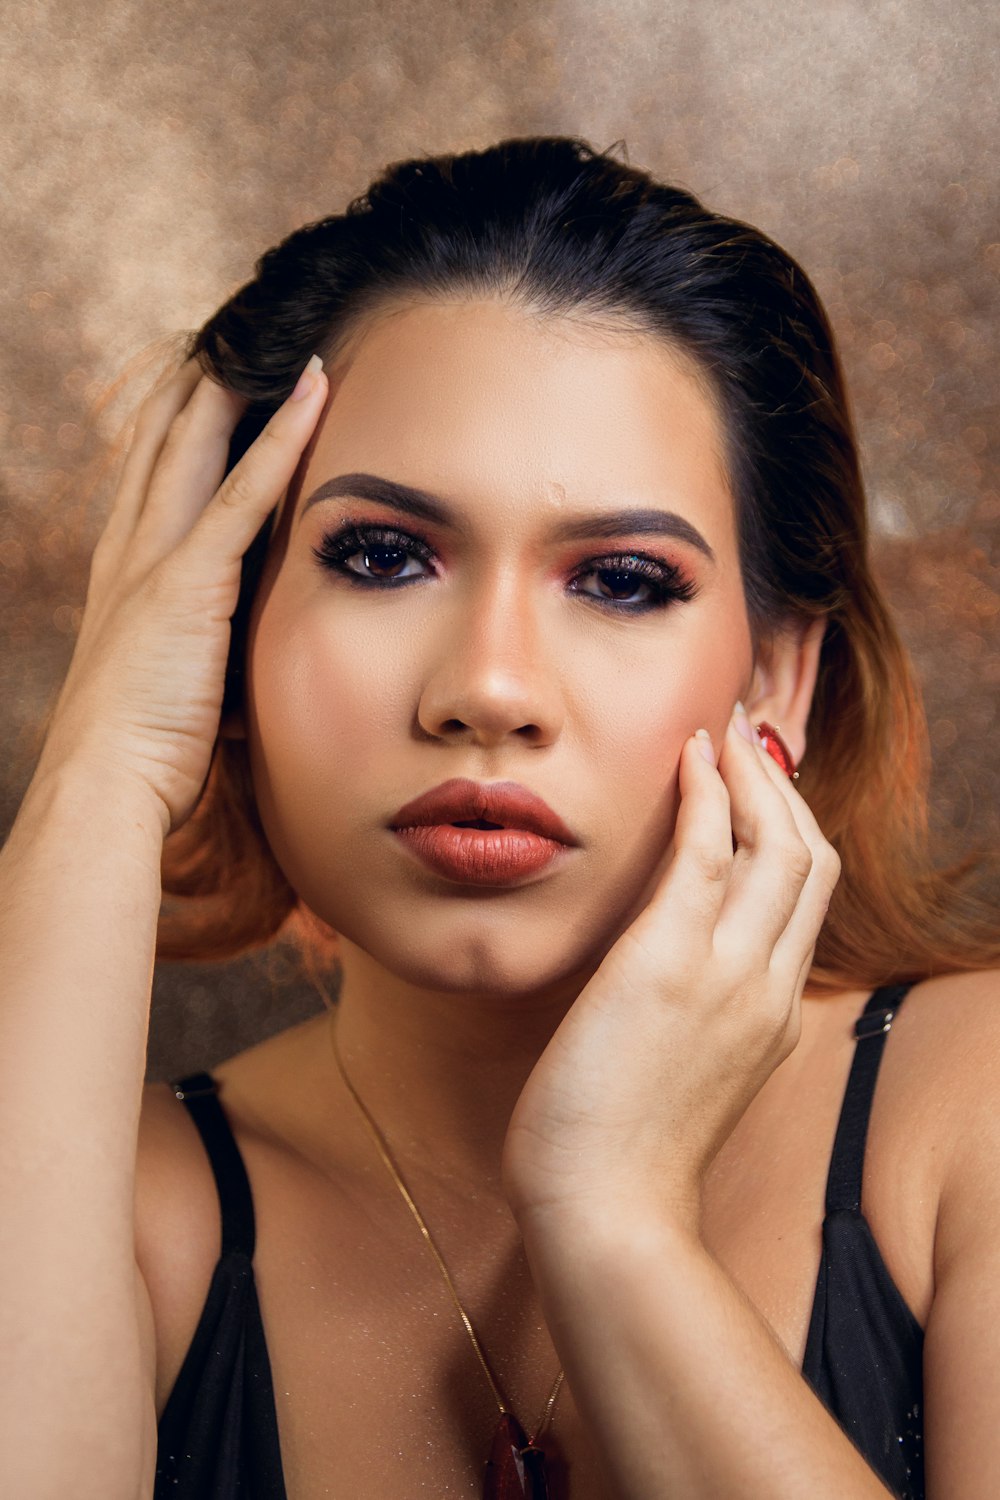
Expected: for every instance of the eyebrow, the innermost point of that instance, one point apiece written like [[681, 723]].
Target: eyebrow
[[415, 502]]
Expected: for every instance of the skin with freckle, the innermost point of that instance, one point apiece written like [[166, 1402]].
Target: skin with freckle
[[359, 699]]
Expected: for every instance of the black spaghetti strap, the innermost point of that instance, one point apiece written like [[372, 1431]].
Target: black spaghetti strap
[[199, 1092], [843, 1185]]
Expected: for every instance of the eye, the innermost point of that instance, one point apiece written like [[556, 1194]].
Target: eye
[[385, 554], [622, 575], [382, 549]]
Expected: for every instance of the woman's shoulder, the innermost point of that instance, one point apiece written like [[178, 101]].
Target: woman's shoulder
[[942, 1064], [946, 1036], [949, 1048], [178, 1232], [942, 1082], [178, 1226], [958, 989], [950, 1043]]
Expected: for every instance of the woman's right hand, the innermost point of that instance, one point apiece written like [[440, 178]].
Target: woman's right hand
[[143, 695]]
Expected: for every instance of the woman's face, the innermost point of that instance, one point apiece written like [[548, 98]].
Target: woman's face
[[499, 647]]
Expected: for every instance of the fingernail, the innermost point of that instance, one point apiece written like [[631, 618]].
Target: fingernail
[[705, 746], [307, 380], [742, 722]]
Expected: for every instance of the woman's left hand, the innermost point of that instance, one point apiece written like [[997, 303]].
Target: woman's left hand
[[690, 1011]]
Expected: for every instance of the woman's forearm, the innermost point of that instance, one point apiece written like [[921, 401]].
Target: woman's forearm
[[79, 899], [683, 1384]]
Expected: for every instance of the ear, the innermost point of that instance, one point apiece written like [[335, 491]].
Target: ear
[[784, 679]]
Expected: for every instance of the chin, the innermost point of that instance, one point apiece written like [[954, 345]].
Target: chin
[[460, 957]]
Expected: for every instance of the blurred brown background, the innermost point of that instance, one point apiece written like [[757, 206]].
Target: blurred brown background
[[152, 152]]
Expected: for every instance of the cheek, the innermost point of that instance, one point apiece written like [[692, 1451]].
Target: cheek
[[319, 691], [323, 702], [639, 717], [639, 755]]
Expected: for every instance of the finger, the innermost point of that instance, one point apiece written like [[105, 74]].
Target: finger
[[772, 862], [794, 950], [794, 953], [252, 488], [694, 883], [189, 469], [155, 415]]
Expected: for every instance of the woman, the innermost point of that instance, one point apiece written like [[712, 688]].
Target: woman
[[535, 473]]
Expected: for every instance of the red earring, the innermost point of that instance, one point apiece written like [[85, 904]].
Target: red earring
[[777, 749]]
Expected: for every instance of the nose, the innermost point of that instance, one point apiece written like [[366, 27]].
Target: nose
[[494, 675]]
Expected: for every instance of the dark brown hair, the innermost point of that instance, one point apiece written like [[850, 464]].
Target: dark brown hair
[[564, 229]]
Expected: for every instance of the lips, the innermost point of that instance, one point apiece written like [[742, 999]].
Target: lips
[[506, 804]]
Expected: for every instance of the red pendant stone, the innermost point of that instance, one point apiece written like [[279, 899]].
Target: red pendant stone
[[514, 1471], [776, 747]]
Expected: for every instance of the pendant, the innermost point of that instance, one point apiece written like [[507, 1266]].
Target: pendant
[[777, 749], [515, 1470]]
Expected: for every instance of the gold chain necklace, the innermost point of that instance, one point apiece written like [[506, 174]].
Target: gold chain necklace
[[516, 1465]]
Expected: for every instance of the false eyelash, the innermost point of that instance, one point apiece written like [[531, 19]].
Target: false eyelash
[[669, 584], [337, 546]]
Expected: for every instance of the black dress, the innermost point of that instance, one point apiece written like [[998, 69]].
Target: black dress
[[218, 1433]]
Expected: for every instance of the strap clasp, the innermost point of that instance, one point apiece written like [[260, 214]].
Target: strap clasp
[[875, 1023], [195, 1093]]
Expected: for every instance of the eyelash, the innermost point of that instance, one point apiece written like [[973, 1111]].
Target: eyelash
[[668, 583]]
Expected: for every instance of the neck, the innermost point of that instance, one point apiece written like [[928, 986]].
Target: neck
[[440, 1072]]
